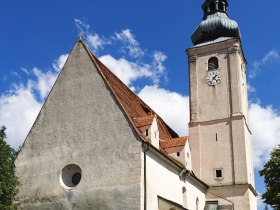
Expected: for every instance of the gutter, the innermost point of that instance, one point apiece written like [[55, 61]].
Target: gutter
[[146, 148]]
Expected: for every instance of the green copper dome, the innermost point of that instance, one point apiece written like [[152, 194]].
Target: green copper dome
[[215, 24]]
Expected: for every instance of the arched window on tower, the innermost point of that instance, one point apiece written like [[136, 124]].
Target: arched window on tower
[[213, 63]]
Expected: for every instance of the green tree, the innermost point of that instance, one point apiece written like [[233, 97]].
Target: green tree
[[271, 173], [9, 183]]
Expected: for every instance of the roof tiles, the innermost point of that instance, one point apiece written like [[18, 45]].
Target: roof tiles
[[177, 142], [143, 121]]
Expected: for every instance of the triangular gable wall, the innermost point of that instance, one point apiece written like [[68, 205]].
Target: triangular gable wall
[[81, 123]]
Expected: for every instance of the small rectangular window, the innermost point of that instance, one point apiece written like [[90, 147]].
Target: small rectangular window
[[218, 173], [211, 205], [147, 132], [178, 154], [221, 6]]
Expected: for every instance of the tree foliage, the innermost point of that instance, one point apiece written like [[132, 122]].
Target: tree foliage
[[9, 183], [271, 173]]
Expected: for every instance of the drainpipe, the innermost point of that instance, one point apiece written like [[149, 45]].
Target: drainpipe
[[146, 148]]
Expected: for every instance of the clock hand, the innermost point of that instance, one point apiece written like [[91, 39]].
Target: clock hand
[[215, 77]]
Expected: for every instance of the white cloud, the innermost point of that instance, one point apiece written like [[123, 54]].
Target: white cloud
[[94, 41], [265, 125], [25, 70], [18, 110], [159, 58], [250, 88], [171, 106], [20, 105], [260, 202], [130, 43], [160, 69], [272, 55], [127, 71], [59, 63], [44, 82], [127, 36], [81, 25]]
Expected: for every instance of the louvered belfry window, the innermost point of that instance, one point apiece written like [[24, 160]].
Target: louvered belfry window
[[212, 6], [213, 63], [221, 6]]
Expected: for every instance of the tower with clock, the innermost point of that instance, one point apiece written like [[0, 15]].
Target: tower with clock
[[220, 135]]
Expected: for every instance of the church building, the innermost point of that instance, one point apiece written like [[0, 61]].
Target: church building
[[95, 145]]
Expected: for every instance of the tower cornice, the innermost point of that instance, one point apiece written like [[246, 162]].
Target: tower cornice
[[230, 45], [192, 58]]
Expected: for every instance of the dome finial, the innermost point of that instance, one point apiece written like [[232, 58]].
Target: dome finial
[[213, 6], [215, 24]]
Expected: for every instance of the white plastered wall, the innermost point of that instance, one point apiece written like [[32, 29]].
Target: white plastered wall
[[163, 180], [154, 135]]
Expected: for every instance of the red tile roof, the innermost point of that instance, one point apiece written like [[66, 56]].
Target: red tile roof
[[143, 121], [170, 143]]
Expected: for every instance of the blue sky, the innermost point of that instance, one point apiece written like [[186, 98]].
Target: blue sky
[[147, 41]]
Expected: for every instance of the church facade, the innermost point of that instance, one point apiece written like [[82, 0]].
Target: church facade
[[96, 145]]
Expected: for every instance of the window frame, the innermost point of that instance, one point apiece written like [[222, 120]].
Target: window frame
[[214, 66], [209, 203], [222, 173]]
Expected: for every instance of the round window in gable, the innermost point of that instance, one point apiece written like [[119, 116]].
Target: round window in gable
[[70, 176]]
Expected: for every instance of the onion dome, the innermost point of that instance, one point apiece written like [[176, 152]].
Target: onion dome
[[215, 24]]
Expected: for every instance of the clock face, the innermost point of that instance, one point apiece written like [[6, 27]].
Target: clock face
[[214, 78]]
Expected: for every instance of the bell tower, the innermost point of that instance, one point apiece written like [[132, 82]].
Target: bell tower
[[220, 135]]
